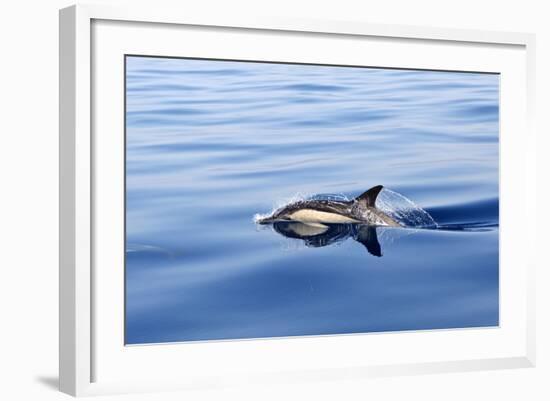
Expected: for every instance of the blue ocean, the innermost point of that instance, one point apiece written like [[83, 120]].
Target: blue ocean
[[213, 145]]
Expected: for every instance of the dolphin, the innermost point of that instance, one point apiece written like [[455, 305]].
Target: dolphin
[[319, 212]]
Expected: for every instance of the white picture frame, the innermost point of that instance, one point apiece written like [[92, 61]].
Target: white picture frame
[[81, 160]]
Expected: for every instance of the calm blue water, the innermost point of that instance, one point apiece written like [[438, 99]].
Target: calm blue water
[[212, 143]]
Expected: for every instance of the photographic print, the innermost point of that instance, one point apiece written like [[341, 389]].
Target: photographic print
[[272, 199]]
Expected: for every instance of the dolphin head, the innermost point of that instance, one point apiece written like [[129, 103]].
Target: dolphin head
[[277, 216]]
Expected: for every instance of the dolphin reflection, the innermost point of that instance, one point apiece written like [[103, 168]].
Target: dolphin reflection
[[318, 235]]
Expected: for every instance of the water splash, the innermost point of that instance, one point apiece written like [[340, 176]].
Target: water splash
[[259, 216], [330, 197], [403, 210]]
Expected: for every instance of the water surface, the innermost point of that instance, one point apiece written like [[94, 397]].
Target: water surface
[[209, 144]]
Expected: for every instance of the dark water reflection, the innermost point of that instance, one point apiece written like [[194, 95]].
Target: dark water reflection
[[210, 144], [323, 235]]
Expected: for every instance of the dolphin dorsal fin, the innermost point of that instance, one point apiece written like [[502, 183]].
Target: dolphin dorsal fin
[[369, 197]]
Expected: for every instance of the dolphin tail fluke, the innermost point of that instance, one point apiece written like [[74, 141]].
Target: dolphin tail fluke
[[367, 236], [369, 197]]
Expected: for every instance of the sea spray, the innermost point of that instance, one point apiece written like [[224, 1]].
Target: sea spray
[[403, 210]]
